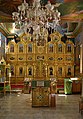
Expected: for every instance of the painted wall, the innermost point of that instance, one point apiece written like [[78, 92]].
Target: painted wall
[[79, 52], [2, 45]]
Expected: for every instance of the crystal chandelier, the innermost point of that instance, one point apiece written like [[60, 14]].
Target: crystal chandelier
[[36, 16]]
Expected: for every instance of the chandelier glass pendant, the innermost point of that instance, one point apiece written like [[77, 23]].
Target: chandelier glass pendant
[[36, 16]]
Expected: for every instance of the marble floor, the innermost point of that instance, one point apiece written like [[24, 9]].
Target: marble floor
[[18, 106]]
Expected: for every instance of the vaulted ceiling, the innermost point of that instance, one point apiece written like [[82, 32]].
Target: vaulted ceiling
[[9, 6], [70, 11]]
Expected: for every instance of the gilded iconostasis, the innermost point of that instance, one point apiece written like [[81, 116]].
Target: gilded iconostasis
[[57, 56]]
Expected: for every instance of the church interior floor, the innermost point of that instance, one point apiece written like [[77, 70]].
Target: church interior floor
[[19, 106]]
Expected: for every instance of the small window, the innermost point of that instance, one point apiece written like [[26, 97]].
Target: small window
[[68, 48], [20, 47], [29, 47], [11, 47], [60, 48], [50, 47]]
